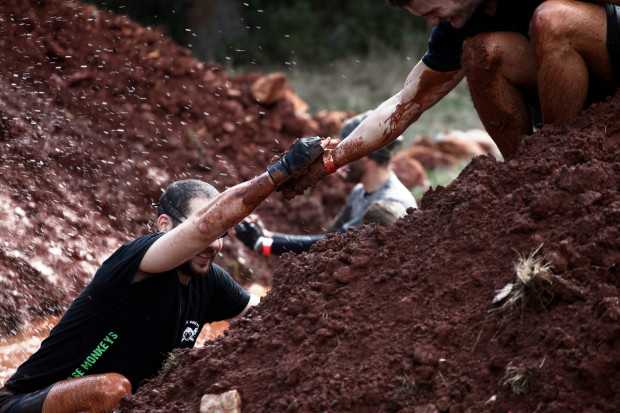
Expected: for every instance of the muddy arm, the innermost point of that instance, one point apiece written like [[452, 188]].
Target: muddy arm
[[423, 89], [206, 225]]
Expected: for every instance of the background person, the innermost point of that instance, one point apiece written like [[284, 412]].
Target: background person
[[150, 296], [376, 182]]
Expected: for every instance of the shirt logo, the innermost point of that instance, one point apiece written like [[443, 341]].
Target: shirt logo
[[92, 358], [191, 331]]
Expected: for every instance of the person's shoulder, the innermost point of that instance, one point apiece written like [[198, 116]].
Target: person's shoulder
[[216, 269], [139, 242], [357, 189], [398, 191], [135, 246], [395, 181]]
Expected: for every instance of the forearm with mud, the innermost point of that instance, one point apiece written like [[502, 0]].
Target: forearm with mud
[[232, 206], [206, 225], [423, 89]]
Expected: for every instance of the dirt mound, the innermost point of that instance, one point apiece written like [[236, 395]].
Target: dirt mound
[[97, 114], [400, 318]]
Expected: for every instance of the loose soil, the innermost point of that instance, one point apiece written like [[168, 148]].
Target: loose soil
[[98, 113]]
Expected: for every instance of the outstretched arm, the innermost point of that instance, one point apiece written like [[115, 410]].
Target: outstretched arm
[[208, 223], [423, 88], [256, 237]]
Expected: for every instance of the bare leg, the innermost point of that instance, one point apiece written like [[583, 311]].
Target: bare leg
[[500, 70], [569, 43], [98, 393]]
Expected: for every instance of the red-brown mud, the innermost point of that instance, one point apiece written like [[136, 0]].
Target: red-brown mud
[[97, 114]]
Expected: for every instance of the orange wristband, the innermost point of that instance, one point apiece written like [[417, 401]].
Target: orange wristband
[[267, 242], [328, 161]]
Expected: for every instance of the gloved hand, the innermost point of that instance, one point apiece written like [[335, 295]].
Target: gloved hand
[[249, 233], [302, 153]]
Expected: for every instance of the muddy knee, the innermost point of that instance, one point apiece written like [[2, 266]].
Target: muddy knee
[[110, 388], [482, 56], [98, 393]]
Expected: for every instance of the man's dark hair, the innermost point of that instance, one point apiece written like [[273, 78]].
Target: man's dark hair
[[398, 3], [175, 201]]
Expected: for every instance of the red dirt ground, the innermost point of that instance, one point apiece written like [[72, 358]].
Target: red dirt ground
[[97, 114]]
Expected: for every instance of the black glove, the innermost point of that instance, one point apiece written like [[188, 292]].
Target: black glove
[[249, 233], [302, 153]]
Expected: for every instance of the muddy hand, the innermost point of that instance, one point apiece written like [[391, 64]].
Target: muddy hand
[[302, 153]]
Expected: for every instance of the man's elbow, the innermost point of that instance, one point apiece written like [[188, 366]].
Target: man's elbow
[[254, 300]]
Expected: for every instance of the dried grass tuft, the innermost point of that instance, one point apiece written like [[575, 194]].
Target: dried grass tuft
[[533, 285], [518, 378]]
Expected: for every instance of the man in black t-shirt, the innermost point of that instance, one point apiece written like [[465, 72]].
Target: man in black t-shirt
[[150, 296], [527, 63]]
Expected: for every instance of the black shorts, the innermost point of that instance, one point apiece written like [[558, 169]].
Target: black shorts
[[595, 94], [23, 402], [613, 39]]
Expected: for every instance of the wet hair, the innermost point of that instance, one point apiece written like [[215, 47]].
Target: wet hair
[[398, 3], [175, 201], [384, 212]]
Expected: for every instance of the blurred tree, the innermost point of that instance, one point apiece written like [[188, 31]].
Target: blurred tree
[[319, 30], [267, 31], [165, 13]]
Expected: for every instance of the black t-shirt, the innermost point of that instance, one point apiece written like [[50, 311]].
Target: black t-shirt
[[117, 326], [446, 42]]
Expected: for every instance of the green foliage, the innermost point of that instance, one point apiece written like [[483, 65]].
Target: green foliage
[[284, 31], [320, 31], [165, 13]]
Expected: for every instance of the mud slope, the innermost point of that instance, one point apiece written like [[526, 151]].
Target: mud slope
[[97, 114], [401, 320]]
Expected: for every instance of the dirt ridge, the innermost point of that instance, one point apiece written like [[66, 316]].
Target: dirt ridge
[[400, 318]]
